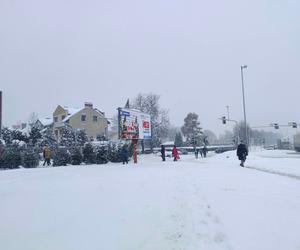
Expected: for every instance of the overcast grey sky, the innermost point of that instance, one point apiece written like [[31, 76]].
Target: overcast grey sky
[[188, 51]]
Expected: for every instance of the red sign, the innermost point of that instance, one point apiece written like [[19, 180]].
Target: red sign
[[146, 124]]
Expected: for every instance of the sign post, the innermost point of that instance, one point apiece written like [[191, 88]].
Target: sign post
[[0, 114], [134, 142]]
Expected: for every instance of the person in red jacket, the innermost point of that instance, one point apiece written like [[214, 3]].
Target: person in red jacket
[[175, 153]]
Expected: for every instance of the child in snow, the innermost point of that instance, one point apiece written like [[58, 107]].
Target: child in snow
[[175, 153]]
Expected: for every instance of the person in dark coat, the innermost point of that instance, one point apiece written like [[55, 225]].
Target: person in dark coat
[[242, 153], [124, 154], [175, 153], [196, 153], [201, 152], [163, 152], [204, 151]]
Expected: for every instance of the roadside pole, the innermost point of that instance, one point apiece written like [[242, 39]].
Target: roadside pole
[[134, 142], [0, 114]]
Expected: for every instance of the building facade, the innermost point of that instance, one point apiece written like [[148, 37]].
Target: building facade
[[88, 118]]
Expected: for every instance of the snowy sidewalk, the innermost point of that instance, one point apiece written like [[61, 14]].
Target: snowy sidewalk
[[187, 205]]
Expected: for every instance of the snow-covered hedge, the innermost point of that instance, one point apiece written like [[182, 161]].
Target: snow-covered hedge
[[15, 156], [61, 157], [19, 154], [10, 158], [76, 156], [30, 159]]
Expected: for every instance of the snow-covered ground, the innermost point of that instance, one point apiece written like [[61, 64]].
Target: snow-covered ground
[[192, 204], [283, 162]]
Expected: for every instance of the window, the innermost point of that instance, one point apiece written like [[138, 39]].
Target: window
[[63, 117], [55, 119], [95, 118], [83, 118]]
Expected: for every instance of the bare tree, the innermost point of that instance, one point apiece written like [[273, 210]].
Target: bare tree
[[239, 131], [226, 138], [160, 123], [33, 117], [113, 128], [210, 136], [178, 139], [172, 133]]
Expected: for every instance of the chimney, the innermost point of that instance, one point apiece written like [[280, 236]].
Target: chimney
[[88, 105]]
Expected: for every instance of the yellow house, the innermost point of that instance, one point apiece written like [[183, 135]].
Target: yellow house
[[88, 118]]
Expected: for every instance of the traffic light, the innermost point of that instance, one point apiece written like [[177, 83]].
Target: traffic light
[[224, 119], [276, 126], [294, 125]]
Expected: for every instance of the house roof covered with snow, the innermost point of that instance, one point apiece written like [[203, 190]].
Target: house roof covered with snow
[[26, 130], [73, 111], [46, 121]]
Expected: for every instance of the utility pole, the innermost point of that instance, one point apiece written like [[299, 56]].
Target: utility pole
[[228, 112], [244, 105], [0, 114]]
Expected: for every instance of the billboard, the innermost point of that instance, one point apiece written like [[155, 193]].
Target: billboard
[[133, 124]]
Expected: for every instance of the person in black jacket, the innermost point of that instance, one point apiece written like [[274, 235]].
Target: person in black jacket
[[163, 152], [204, 151], [242, 153], [124, 154]]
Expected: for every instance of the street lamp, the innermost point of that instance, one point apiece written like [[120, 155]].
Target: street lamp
[[244, 106], [228, 112]]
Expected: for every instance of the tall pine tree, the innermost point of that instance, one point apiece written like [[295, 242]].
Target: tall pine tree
[[160, 123], [48, 138], [192, 130], [68, 137], [89, 156], [81, 138], [35, 135]]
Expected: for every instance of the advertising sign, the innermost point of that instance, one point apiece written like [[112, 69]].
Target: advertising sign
[[134, 124]]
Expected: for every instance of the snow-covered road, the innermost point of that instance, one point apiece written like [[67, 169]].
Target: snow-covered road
[[192, 204]]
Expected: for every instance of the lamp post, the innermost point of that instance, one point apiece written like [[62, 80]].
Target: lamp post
[[228, 112], [244, 106]]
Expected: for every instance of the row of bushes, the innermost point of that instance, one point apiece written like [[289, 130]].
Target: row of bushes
[[89, 154], [13, 156], [76, 156]]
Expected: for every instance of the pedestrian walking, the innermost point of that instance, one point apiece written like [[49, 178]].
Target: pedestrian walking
[[204, 151], [196, 152], [175, 153], [201, 152], [163, 152], [47, 156], [124, 154], [242, 153]]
